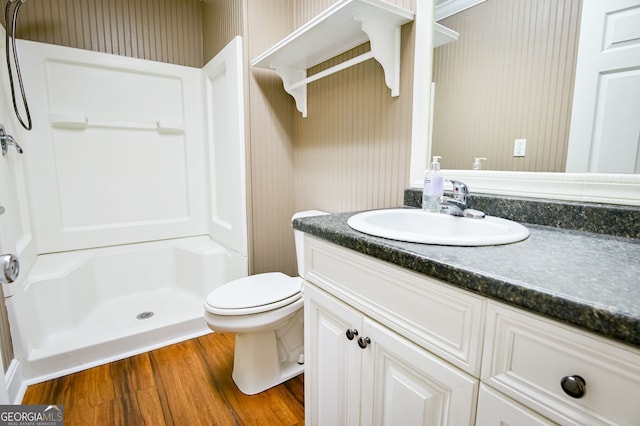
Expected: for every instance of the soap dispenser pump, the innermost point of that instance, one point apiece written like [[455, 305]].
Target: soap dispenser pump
[[477, 165], [433, 187]]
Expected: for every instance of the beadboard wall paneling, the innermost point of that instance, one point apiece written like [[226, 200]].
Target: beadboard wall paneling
[[271, 148], [353, 149], [222, 20], [306, 10], [509, 76], [158, 30], [352, 152], [6, 344]]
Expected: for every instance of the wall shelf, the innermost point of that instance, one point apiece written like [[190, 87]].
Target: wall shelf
[[446, 8], [443, 35], [341, 27]]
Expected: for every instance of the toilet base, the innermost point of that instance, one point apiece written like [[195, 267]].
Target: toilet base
[[256, 363]]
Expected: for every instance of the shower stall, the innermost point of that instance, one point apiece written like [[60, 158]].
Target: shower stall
[[126, 207]]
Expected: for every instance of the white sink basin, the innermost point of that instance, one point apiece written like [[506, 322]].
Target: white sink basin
[[417, 226]]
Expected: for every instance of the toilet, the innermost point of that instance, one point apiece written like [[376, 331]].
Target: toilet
[[265, 312]]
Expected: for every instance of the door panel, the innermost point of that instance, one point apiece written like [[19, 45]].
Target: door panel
[[605, 130], [407, 385], [332, 362]]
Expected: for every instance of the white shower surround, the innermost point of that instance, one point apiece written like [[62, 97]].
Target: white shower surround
[[135, 182], [80, 309]]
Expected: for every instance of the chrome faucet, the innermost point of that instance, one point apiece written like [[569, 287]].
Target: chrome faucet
[[456, 205]]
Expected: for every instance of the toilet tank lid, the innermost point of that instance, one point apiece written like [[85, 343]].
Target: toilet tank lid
[[308, 213], [255, 290]]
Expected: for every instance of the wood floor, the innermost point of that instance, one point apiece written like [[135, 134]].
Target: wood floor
[[188, 383]]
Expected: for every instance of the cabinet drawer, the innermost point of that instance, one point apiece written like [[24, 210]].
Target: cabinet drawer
[[495, 409], [526, 357], [432, 314]]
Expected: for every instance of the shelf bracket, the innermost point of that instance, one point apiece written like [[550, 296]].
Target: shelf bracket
[[290, 77], [385, 46], [341, 27]]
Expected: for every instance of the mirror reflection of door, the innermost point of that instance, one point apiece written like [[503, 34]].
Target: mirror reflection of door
[[605, 125], [509, 76]]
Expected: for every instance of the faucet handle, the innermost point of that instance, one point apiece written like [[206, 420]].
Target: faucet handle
[[445, 200], [459, 188], [451, 206]]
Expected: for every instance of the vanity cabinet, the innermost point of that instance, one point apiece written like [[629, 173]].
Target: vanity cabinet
[[385, 345], [371, 334], [564, 374], [495, 409], [360, 372]]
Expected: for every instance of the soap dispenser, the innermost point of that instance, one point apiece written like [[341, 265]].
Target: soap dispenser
[[477, 165], [433, 187]]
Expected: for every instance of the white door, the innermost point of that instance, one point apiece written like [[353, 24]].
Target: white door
[[332, 361], [403, 384], [605, 129]]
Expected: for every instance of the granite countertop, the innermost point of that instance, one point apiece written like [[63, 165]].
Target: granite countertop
[[584, 279]]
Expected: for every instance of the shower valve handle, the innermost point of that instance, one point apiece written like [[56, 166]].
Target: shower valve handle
[[6, 140], [10, 268]]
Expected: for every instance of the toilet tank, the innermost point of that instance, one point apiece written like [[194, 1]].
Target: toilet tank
[[299, 238]]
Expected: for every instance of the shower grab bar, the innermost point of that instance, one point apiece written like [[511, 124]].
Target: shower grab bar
[[6, 140], [81, 122]]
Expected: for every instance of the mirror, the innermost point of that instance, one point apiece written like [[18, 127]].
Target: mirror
[[504, 91], [621, 189]]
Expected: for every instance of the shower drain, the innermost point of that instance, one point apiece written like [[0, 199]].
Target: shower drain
[[144, 315]]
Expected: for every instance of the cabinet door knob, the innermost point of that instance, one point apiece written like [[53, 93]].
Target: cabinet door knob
[[574, 386], [351, 333], [363, 342]]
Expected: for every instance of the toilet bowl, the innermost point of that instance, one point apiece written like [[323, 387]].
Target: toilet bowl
[[265, 312]]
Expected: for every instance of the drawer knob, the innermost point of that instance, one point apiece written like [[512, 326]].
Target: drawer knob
[[363, 342], [574, 386], [351, 333]]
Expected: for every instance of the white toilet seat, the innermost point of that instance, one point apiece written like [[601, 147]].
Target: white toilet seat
[[254, 294]]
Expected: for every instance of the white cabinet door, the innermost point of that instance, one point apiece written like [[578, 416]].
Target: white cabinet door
[[388, 380], [403, 384], [332, 361]]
